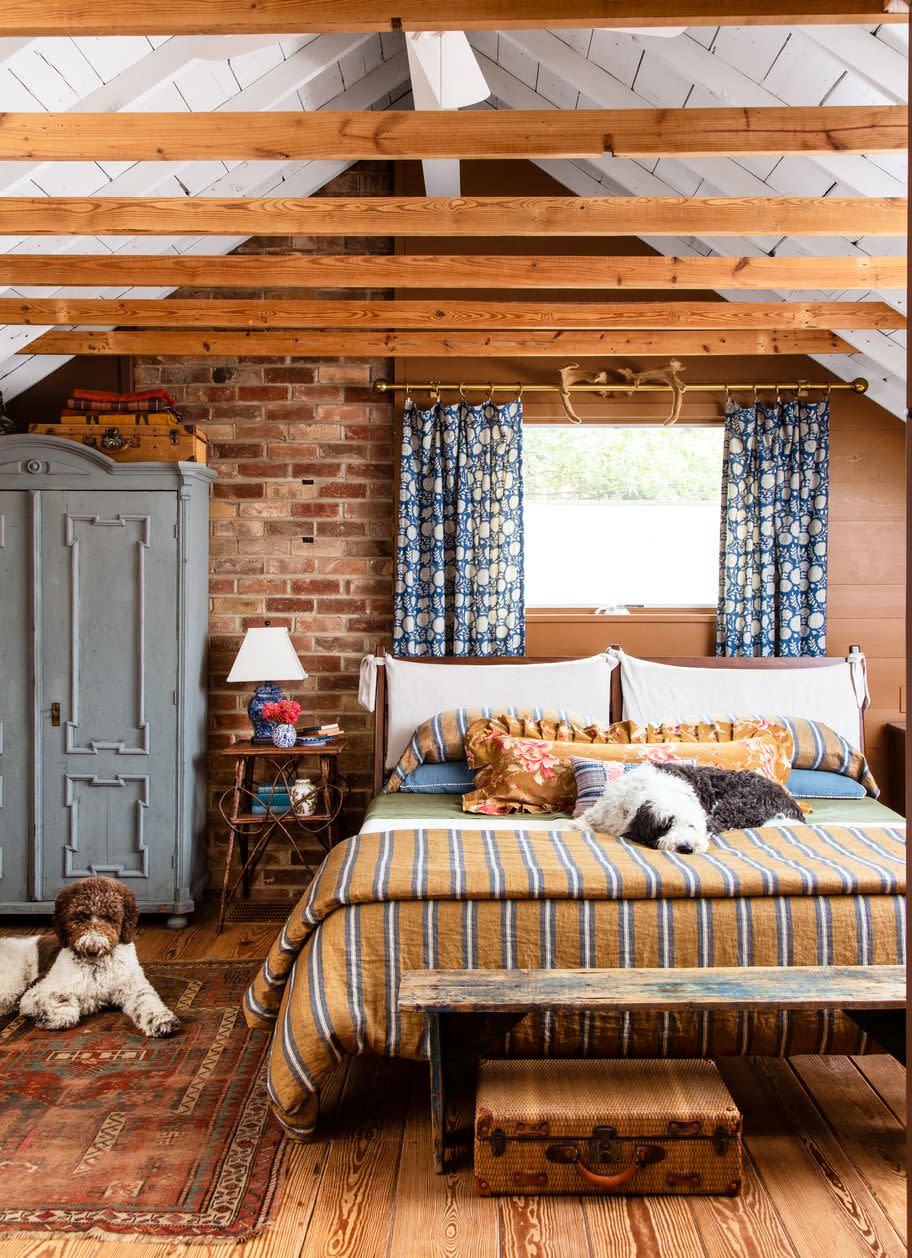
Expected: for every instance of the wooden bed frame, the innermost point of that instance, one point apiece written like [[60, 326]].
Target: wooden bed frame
[[616, 702]]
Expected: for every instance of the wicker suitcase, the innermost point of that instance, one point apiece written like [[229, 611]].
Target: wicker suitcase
[[134, 443], [612, 1127]]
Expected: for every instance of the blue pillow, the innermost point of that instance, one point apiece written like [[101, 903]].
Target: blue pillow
[[816, 784], [453, 778]]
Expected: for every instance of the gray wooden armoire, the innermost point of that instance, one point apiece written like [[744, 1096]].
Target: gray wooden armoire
[[103, 633]]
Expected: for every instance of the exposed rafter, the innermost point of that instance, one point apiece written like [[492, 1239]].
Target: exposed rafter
[[475, 216], [227, 17], [438, 344], [419, 135], [415, 315], [453, 271]]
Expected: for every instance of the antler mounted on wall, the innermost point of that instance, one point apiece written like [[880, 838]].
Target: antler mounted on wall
[[669, 375]]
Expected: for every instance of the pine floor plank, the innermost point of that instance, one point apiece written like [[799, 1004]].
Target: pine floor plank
[[641, 1227], [356, 1198], [888, 1079], [37, 1246], [746, 1226], [868, 1132], [791, 1146], [439, 1216], [544, 1227]]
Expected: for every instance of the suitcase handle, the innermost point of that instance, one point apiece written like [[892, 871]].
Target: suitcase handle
[[645, 1155]]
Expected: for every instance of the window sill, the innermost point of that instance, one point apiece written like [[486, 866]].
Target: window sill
[[556, 615]]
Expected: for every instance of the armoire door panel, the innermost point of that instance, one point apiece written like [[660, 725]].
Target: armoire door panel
[[15, 701], [107, 560], [109, 657], [104, 814]]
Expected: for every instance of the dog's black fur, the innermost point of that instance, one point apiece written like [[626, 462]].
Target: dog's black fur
[[733, 799]]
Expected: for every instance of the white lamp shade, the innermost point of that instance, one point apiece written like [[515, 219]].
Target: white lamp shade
[[267, 654]]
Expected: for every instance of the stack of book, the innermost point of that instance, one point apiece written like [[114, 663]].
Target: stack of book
[[314, 735], [275, 798]]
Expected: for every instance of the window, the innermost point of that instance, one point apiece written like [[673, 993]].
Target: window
[[622, 516]]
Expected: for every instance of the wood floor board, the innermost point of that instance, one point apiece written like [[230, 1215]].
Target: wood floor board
[[888, 1079], [439, 1216], [356, 1197], [791, 1144], [640, 1227], [746, 1226], [867, 1130], [544, 1227]]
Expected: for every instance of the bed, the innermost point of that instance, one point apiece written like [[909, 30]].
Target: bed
[[424, 885]]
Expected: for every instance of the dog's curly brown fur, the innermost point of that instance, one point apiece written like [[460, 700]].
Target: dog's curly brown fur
[[101, 906]]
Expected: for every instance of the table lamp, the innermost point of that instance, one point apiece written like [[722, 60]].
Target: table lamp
[[265, 652]]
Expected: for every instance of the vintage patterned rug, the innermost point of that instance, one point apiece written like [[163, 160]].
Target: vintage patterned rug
[[106, 1132]]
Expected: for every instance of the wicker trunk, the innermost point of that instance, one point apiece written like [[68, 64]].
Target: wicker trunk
[[617, 1127]]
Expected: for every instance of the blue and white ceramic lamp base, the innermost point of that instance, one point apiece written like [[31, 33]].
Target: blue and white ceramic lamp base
[[266, 692]]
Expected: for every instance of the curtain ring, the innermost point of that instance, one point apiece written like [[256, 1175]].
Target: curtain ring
[[462, 393], [828, 388], [728, 394], [519, 391], [435, 391], [408, 392], [778, 394], [489, 400], [756, 394]]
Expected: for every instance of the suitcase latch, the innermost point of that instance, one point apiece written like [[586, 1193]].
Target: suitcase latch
[[721, 1139], [498, 1142], [601, 1148], [112, 440]]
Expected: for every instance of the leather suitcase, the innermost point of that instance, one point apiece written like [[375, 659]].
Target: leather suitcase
[[625, 1127], [133, 443]]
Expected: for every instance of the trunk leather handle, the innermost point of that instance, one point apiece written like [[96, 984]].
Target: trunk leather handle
[[645, 1155]]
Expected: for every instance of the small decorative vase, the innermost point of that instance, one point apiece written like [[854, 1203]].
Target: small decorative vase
[[303, 796], [284, 736]]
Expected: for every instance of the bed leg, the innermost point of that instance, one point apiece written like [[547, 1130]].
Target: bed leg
[[438, 1099]]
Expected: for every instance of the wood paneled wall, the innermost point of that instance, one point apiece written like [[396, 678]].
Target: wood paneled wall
[[867, 477]]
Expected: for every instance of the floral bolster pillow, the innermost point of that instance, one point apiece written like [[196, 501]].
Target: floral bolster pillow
[[442, 738], [516, 774]]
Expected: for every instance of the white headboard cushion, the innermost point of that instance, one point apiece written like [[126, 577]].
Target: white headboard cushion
[[417, 691], [663, 692]]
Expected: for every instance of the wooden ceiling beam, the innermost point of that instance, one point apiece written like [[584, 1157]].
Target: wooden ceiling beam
[[424, 315], [467, 134], [242, 17], [437, 344], [452, 271], [467, 216]]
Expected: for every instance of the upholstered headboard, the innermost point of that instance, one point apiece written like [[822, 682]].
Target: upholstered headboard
[[616, 686]]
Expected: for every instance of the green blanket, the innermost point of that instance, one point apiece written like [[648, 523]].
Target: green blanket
[[408, 807]]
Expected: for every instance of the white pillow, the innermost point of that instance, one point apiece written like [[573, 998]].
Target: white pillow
[[416, 691], [669, 692]]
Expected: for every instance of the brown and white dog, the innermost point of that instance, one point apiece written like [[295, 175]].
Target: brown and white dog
[[87, 963]]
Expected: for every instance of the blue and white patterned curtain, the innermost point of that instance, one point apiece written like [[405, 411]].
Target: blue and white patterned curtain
[[773, 560], [459, 563]]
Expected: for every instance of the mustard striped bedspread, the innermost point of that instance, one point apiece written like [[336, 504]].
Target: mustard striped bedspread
[[509, 897]]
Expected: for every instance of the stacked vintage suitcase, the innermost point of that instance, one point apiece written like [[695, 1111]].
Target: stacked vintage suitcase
[[605, 1127], [129, 427]]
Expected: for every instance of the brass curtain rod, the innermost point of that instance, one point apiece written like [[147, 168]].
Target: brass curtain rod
[[858, 385]]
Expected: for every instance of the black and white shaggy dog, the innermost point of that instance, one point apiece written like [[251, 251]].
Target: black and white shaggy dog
[[675, 807]]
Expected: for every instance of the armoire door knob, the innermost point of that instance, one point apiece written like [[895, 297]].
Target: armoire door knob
[[55, 713]]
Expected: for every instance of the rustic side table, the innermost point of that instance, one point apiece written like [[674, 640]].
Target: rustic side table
[[252, 831]]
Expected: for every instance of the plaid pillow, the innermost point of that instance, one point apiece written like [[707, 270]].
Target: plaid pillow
[[592, 776]]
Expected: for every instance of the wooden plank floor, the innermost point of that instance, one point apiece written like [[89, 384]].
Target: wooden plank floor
[[824, 1172]]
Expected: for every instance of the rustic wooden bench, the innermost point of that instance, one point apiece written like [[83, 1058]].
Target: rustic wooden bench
[[870, 995]]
